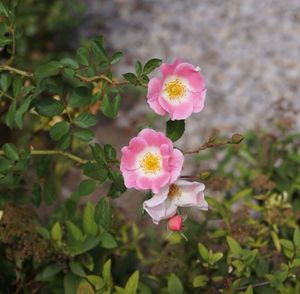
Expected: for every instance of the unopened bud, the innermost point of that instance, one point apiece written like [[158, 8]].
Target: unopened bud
[[237, 138], [175, 223]]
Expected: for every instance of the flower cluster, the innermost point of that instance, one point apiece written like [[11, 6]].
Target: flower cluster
[[150, 161]]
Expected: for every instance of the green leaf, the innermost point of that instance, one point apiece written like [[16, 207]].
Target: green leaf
[[10, 115], [96, 281], [56, 232], [296, 238], [132, 283], [69, 62], [17, 85], [5, 164], [77, 269], [74, 231], [106, 273], [116, 57], [59, 130], [71, 283], [80, 96], [10, 151], [249, 290], [85, 120], [103, 213], [108, 241], [216, 257], [89, 224], [110, 106], [87, 187], [48, 106], [110, 152], [84, 134], [95, 171], [151, 65], [138, 68], [131, 78], [23, 108], [48, 272], [99, 51], [174, 285], [3, 9], [117, 188], [98, 153], [64, 142], [5, 80], [175, 129], [203, 252], [200, 281], [82, 56], [234, 246], [48, 70]]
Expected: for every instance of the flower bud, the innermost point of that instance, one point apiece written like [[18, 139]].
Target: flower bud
[[237, 138], [175, 223]]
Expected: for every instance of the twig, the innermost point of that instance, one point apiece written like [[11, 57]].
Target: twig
[[17, 71], [254, 286], [56, 152]]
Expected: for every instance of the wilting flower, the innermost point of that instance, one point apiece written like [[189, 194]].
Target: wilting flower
[[175, 223], [164, 204], [180, 92], [150, 161]]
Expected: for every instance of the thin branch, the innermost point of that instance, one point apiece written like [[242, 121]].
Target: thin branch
[[254, 286], [17, 71], [101, 77], [7, 96], [56, 152]]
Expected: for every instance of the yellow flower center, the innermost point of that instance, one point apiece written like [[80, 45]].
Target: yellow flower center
[[174, 191], [151, 163], [175, 89]]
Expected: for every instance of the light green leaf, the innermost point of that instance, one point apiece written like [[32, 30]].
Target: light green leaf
[[77, 269], [234, 246], [56, 232], [10, 151], [174, 285], [132, 283], [89, 224]]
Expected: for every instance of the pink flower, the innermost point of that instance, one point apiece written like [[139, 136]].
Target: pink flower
[[175, 223], [150, 161], [164, 204], [180, 92]]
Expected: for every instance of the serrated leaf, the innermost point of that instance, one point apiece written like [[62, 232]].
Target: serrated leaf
[[59, 130], [130, 77], [151, 65], [95, 171], [103, 213], [48, 70], [116, 57], [80, 96], [98, 153], [85, 120], [110, 106], [49, 107], [138, 68], [175, 129], [84, 134]]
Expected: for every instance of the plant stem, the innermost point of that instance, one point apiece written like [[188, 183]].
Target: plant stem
[[254, 285], [56, 152], [17, 71], [7, 96], [100, 77]]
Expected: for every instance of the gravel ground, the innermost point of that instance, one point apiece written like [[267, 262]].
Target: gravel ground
[[248, 50]]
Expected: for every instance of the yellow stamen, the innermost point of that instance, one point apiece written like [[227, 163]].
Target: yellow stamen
[[151, 163], [175, 90], [174, 191]]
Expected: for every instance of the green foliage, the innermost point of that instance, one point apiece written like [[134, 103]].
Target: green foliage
[[79, 239]]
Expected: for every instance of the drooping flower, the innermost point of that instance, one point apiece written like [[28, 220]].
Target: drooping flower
[[180, 92], [150, 161], [164, 204], [175, 223]]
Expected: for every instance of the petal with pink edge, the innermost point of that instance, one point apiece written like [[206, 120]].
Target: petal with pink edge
[[176, 163], [130, 179], [137, 144], [128, 160], [168, 69]]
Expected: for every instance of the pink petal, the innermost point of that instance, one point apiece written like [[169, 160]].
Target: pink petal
[[143, 183], [137, 144], [168, 69], [154, 104], [194, 78], [158, 198], [128, 159], [154, 138], [162, 211], [130, 178], [160, 182], [182, 111], [176, 163], [154, 89], [198, 99]]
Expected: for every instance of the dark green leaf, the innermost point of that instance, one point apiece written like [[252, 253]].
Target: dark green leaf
[[48, 70], [110, 106], [116, 57], [95, 171], [71, 283], [98, 153], [175, 129], [48, 272], [85, 120], [108, 241], [10, 115], [130, 77], [17, 85], [86, 187], [82, 56], [5, 164], [10, 151], [23, 108], [89, 225], [138, 68], [80, 96], [110, 152], [151, 65], [77, 269], [47, 106], [84, 134], [59, 130], [69, 62], [174, 285], [36, 197], [65, 141], [103, 213]]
